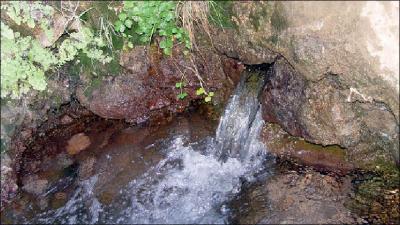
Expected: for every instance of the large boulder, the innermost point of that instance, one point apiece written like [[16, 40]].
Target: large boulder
[[335, 74], [146, 88]]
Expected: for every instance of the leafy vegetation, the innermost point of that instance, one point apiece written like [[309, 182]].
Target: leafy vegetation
[[182, 94], [144, 19], [24, 61]]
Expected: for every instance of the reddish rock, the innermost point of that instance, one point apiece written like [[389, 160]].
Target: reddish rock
[[145, 88]]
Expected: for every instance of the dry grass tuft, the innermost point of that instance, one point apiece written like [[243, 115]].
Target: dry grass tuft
[[194, 13]]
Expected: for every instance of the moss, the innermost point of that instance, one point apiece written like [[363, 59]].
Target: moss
[[274, 39], [278, 18], [94, 68], [376, 192]]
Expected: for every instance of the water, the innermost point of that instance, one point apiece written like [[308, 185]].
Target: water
[[192, 184]]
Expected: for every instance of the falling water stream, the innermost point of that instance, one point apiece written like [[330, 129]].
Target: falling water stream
[[193, 183]]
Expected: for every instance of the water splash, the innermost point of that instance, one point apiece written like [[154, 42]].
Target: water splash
[[193, 183]]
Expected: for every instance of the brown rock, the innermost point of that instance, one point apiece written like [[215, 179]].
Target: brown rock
[[145, 87], [77, 143], [66, 119], [60, 195]]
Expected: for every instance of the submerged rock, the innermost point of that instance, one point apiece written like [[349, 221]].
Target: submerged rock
[[34, 185], [78, 143], [86, 168]]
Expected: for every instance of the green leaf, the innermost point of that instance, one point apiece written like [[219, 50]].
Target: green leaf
[[130, 45], [182, 95], [163, 44], [118, 25], [128, 23], [178, 85], [122, 28], [207, 99], [6, 32], [167, 51], [210, 93], [169, 43], [162, 32], [144, 39], [31, 23], [122, 16], [128, 4], [200, 91]]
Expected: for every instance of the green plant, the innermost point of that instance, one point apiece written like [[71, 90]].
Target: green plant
[[84, 40], [24, 61], [30, 13], [182, 94], [144, 19], [207, 95]]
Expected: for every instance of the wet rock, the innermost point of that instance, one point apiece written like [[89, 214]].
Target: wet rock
[[20, 121], [311, 198], [63, 161], [327, 77], [86, 168], [60, 195], [33, 185], [282, 144], [322, 112], [59, 199], [317, 42], [233, 69], [145, 88], [294, 197], [43, 203], [284, 92], [77, 143]]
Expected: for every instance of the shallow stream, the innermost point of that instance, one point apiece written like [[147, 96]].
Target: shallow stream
[[182, 173]]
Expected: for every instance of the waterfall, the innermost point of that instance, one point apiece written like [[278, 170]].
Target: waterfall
[[193, 183]]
